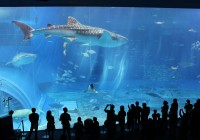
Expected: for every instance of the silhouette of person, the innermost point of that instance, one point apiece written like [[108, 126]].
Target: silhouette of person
[[110, 120], [65, 119], [96, 128], [78, 128], [121, 118], [183, 129], [88, 125], [164, 111], [33, 118], [131, 117], [194, 120], [154, 116], [188, 107], [155, 120], [173, 116], [159, 126], [137, 115], [151, 131], [144, 118], [50, 125]]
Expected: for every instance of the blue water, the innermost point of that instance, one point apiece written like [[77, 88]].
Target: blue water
[[159, 61]]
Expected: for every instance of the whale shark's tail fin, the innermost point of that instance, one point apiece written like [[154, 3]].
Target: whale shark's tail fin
[[26, 29]]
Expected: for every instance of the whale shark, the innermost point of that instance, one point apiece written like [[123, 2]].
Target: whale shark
[[75, 31], [22, 59]]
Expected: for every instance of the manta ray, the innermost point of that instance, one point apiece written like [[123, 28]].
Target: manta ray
[[75, 31]]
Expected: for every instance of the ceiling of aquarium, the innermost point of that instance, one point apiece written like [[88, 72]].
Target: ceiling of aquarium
[[50, 55]]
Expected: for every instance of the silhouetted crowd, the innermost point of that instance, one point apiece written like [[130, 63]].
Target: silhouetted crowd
[[180, 124]]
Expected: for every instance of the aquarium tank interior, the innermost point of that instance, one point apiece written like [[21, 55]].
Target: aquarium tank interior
[[83, 58]]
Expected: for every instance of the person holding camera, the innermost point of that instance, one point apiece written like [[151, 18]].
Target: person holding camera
[[110, 120]]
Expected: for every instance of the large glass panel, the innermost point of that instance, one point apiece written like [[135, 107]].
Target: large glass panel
[[50, 56]]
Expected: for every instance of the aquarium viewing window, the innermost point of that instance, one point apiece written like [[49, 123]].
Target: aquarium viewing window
[[83, 58]]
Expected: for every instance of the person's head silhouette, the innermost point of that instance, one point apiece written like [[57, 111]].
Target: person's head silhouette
[[65, 109], [33, 110]]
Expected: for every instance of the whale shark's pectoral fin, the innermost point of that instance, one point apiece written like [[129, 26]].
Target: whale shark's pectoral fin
[[48, 35], [105, 36], [70, 38]]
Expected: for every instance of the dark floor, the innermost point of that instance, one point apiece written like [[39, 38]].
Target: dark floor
[[128, 136]]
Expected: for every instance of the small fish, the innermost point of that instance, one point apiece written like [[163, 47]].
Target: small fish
[[181, 45], [48, 36], [90, 51], [70, 62], [85, 54], [65, 75], [94, 108], [192, 30], [85, 44], [69, 71], [71, 79], [93, 101], [174, 67], [159, 22], [64, 44], [76, 66], [108, 21], [110, 67], [82, 76], [65, 52]]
